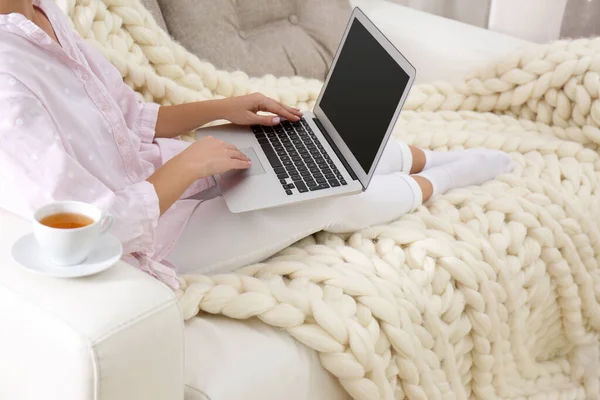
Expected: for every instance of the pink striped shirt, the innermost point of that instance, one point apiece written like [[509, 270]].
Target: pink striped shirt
[[70, 129]]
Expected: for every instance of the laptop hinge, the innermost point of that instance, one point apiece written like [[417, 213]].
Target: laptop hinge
[[337, 151]]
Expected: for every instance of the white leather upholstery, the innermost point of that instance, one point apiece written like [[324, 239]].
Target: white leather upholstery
[[231, 360], [119, 336], [113, 336], [439, 48]]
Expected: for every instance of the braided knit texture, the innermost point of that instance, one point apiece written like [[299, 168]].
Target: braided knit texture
[[488, 292]]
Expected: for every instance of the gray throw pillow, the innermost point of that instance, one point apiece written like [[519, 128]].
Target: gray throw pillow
[[154, 8], [280, 37]]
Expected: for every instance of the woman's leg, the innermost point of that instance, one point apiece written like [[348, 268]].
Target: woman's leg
[[217, 241]]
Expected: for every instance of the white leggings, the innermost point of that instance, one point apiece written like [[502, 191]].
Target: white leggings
[[218, 241]]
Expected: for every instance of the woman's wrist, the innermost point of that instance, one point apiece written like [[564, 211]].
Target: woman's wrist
[[213, 109], [188, 165], [176, 120]]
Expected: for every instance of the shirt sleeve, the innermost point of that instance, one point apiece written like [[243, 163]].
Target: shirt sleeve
[[140, 116], [35, 169]]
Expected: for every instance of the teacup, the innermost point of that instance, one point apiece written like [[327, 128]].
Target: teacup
[[67, 231]]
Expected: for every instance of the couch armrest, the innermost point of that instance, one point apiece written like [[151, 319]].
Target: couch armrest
[[439, 48], [117, 335]]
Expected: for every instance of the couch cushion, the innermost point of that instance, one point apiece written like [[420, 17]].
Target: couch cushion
[[280, 37], [226, 359], [154, 8]]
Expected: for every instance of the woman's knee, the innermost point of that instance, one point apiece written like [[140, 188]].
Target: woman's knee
[[387, 198]]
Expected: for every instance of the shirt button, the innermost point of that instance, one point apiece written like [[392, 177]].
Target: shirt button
[[85, 76], [105, 107]]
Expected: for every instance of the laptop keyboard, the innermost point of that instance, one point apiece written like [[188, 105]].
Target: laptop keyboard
[[297, 157]]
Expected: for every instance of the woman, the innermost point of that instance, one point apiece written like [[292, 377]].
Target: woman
[[70, 129]]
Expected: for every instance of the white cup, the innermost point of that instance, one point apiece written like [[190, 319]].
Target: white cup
[[68, 247]]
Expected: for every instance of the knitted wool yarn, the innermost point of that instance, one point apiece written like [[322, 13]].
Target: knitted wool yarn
[[488, 292]]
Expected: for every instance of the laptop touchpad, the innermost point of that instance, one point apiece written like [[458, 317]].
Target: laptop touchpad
[[255, 169]]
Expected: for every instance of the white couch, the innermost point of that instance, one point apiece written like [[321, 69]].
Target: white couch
[[119, 335]]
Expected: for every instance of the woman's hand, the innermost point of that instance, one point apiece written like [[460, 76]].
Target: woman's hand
[[242, 110], [209, 156]]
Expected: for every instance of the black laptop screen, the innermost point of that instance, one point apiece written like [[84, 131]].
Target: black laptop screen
[[363, 94]]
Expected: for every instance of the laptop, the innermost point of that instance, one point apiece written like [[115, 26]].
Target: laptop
[[334, 150]]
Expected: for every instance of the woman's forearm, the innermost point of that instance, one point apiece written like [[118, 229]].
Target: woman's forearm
[[176, 120], [171, 181]]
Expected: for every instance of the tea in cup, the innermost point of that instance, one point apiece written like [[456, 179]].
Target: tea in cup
[[67, 231]]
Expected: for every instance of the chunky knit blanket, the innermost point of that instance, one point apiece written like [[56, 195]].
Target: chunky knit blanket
[[487, 292]]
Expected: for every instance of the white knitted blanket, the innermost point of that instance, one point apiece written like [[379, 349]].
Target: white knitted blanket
[[487, 292]]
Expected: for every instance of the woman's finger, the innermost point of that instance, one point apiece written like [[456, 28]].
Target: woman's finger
[[267, 120], [293, 110], [239, 164], [279, 109], [237, 155], [230, 146]]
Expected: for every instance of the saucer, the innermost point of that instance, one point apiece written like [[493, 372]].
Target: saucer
[[108, 252]]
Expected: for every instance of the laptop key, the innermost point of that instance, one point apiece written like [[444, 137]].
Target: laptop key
[[343, 182], [283, 182], [290, 186], [314, 170], [334, 183], [288, 192], [321, 180], [301, 187], [287, 163], [302, 168], [282, 176], [296, 178], [263, 141], [256, 129], [272, 157], [279, 170], [312, 184], [305, 174], [282, 153]]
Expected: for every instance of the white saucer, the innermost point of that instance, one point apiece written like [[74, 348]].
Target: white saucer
[[26, 252]]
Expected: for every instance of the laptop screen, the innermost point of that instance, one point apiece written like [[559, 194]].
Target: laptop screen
[[363, 94]]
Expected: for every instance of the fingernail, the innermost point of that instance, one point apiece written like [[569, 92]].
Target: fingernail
[[249, 162], [276, 120]]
